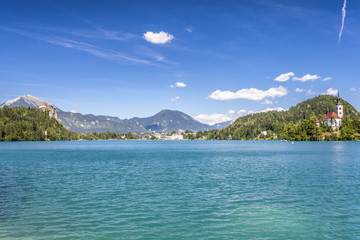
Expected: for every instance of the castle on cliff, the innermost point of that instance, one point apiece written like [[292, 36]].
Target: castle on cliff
[[51, 109]]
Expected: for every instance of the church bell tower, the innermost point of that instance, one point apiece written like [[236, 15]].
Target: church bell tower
[[339, 108]]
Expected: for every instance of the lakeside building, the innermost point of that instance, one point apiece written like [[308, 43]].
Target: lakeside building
[[334, 119], [175, 137]]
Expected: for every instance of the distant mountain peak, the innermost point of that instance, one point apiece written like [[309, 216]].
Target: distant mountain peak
[[26, 101], [164, 121], [11, 101]]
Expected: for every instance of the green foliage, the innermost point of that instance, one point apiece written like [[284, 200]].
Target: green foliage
[[297, 123], [108, 136], [306, 130], [31, 124], [348, 127]]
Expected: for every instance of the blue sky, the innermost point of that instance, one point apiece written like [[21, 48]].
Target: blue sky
[[216, 59]]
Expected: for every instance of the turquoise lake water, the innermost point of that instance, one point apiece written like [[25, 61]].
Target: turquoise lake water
[[180, 190]]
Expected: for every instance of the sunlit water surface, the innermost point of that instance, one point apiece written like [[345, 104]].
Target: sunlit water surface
[[180, 190]]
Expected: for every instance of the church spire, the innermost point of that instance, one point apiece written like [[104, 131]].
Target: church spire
[[339, 108]]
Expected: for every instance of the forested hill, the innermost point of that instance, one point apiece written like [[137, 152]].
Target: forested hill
[[31, 124], [250, 126], [318, 106]]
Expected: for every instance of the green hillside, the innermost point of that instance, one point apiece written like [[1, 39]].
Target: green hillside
[[31, 124], [319, 106], [250, 126]]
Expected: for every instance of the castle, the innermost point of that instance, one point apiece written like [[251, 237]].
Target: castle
[[51, 109], [334, 119]]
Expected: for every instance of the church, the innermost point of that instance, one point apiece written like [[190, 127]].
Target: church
[[334, 119]]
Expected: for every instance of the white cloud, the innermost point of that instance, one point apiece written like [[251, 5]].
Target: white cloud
[[306, 77], [212, 119], [299, 90], [284, 77], [215, 118], [249, 93], [179, 85], [189, 29], [353, 89], [310, 92], [267, 101], [174, 99], [327, 79], [278, 109], [158, 38], [74, 111], [330, 91], [241, 112], [231, 112]]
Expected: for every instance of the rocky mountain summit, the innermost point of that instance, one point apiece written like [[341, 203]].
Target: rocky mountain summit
[[25, 101]]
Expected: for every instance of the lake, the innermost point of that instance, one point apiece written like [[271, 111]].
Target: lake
[[180, 190]]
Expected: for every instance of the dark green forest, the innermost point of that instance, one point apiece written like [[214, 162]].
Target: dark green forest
[[31, 124]]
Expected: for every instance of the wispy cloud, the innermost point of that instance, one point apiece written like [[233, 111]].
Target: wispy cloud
[[326, 79], [96, 51], [299, 90], [97, 32], [267, 102], [355, 90], [81, 46], [249, 93], [343, 10], [310, 92], [189, 29], [174, 99]]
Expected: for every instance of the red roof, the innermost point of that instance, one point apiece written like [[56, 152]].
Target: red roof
[[331, 114], [317, 121], [43, 105], [327, 134]]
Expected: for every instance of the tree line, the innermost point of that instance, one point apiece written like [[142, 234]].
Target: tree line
[[31, 124]]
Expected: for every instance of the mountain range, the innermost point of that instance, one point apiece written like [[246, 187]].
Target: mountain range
[[164, 121]]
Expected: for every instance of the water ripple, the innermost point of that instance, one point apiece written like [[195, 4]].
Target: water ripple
[[179, 190]]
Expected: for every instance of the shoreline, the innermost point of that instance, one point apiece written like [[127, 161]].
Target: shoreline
[[187, 140]]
